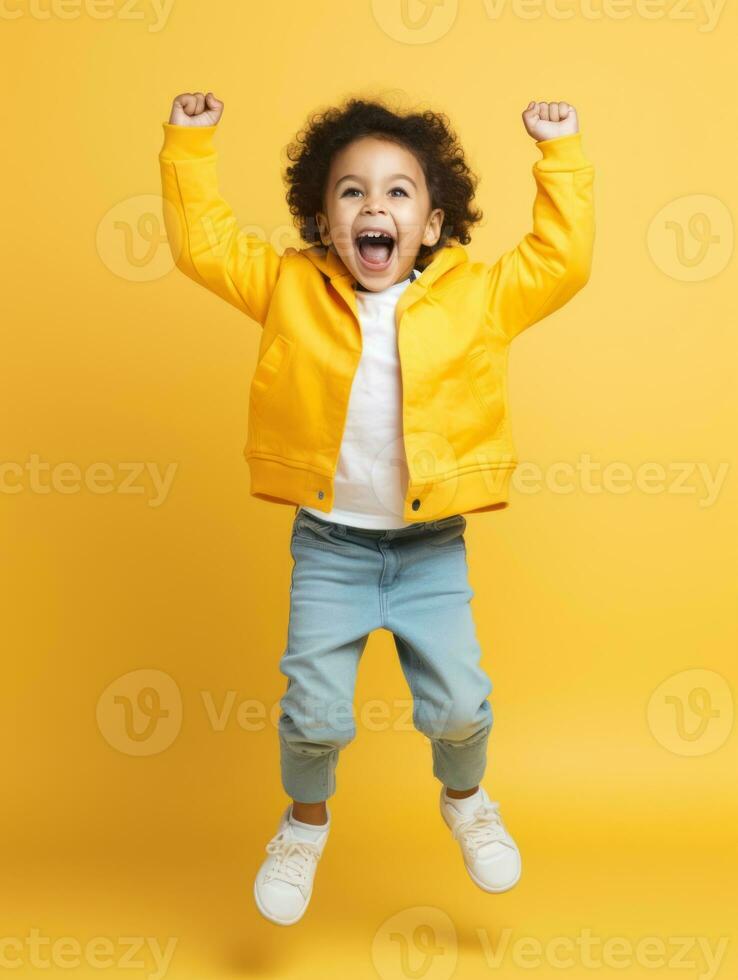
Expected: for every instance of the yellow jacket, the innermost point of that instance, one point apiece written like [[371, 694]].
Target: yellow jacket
[[455, 323]]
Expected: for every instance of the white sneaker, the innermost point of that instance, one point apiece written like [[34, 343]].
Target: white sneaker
[[284, 882], [491, 856]]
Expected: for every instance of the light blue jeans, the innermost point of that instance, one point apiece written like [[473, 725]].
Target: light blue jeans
[[347, 582]]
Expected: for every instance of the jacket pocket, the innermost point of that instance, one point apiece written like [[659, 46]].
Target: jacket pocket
[[487, 388], [270, 367]]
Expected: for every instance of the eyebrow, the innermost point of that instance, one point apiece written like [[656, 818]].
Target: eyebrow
[[391, 177]]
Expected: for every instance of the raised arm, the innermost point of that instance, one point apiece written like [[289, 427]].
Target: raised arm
[[553, 261], [206, 243]]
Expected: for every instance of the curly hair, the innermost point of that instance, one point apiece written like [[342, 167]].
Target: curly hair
[[426, 134]]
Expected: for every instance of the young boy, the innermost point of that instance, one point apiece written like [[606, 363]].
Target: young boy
[[378, 408]]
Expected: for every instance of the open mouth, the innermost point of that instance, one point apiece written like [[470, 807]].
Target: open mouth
[[375, 249]]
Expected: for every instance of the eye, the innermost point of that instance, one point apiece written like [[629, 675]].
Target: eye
[[355, 190]]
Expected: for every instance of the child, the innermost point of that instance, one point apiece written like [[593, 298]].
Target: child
[[378, 408]]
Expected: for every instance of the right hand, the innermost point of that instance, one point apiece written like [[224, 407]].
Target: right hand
[[196, 109]]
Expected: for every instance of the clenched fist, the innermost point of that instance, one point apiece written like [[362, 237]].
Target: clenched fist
[[547, 120], [196, 109]]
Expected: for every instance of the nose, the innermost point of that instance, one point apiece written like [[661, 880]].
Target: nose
[[371, 208]]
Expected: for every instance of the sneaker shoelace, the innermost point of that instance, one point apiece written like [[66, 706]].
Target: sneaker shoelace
[[294, 857], [483, 827]]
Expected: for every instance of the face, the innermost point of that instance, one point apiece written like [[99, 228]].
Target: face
[[376, 185]]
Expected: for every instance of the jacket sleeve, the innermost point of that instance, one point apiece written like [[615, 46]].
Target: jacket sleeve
[[206, 243], [553, 261]]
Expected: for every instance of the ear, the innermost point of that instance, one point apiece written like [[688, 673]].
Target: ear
[[323, 228], [433, 227]]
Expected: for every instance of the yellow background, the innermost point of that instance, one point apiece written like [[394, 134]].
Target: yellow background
[[586, 603]]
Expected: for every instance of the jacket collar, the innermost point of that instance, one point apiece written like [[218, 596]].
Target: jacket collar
[[344, 283]]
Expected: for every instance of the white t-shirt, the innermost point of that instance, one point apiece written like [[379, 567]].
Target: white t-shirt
[[371, 475]]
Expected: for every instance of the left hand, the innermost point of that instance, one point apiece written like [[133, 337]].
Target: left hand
[[547, 120]]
